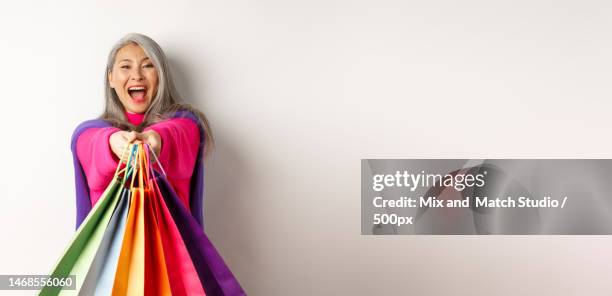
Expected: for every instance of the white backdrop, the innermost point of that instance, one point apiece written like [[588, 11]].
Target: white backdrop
[[297, 93]]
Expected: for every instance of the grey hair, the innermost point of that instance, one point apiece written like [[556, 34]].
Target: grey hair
[[167, 100]]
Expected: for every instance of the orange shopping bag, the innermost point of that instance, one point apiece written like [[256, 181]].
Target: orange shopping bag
[[129, 277]]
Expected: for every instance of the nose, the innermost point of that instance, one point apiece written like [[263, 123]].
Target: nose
[[136, 75]]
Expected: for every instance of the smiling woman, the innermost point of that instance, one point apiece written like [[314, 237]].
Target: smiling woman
[[142, 106]]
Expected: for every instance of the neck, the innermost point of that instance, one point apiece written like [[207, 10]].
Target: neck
[[134, 118]]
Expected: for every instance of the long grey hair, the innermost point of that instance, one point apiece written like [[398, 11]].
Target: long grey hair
[[167, 99]]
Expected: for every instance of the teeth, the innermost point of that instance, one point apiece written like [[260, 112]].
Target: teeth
[[136, 88]]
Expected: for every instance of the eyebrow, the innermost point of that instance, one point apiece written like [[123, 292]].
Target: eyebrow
[[128, 60]]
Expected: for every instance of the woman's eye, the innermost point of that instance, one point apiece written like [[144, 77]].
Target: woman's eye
[[125, 67], [148, 66]]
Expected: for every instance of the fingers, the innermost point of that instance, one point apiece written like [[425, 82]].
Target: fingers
[[121, 140], [131, 136], [153, 139]]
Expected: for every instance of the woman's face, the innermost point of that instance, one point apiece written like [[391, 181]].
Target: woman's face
[[134, 78]]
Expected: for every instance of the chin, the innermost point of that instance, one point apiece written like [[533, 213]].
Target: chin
[[138, 110], [135, 107]]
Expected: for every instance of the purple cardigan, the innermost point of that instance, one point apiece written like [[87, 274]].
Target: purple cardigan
[[83, 201]]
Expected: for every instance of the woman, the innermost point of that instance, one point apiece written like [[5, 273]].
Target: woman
[[143, 105]]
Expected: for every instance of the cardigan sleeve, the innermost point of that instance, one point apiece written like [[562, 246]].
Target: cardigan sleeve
[[180, 141], [96, 157]]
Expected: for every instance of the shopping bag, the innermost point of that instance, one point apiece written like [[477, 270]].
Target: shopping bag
[[140, 239], [156, 275], [129, 276], [101, 275], [214, 274], [81, 250]]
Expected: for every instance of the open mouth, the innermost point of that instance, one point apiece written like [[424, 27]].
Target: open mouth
[[137, 93]]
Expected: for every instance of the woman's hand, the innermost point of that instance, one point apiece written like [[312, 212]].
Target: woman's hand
[[119, 140], [152, 138]]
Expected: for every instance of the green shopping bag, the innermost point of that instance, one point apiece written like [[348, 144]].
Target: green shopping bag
[[81, 251]]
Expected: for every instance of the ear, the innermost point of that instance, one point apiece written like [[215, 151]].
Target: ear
[[110, 79]]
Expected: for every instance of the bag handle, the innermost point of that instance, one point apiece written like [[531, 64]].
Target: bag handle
[[129, 167], [118, 170], [135, 167], [149, 149]]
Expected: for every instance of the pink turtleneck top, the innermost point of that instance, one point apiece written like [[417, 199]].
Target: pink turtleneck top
[[180, 139]]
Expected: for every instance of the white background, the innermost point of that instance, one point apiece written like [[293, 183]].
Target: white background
[[297, 93]]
